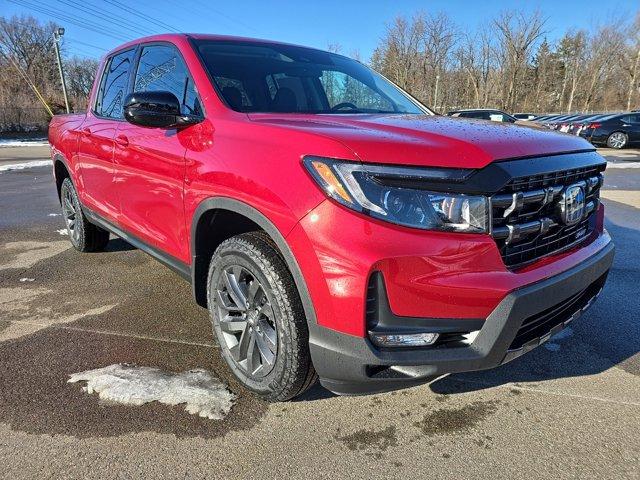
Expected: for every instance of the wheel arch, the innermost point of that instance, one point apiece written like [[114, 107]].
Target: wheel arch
[[200, 256], [61, 171]]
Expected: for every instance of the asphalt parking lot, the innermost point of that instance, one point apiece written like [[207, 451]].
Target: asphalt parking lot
[[570, 409]]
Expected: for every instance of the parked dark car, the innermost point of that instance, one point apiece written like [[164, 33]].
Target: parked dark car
[[549, 121], [565, 125], [542, 118], [576, 126], [484, 114], [618, 131], [524, 116], [557, 122]]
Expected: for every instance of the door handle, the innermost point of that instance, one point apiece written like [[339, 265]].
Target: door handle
[[86, 132], [122, 140]]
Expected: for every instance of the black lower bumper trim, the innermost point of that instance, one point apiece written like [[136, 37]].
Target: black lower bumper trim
[[353, 365]]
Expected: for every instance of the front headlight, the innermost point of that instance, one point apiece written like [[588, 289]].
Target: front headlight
[[394, 194]]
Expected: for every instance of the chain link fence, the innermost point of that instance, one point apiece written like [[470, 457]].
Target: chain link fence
[[23, 119]]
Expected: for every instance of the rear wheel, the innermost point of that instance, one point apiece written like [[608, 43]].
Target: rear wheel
[[258, 318], [617, 140], [84, 236]]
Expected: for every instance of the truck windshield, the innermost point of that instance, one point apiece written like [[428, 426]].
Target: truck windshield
[[266, 77]]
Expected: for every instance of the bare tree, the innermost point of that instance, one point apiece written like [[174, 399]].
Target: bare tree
[[80, 75], [632, 63], [518, 34]]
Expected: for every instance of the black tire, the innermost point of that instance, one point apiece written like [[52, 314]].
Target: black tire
[[273, 302], [617, 140], [84, 236]]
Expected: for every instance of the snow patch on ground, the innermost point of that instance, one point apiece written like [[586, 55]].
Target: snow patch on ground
[[22, 166], [23, 143], [27, 279], [623, 165], [25, 255], [203, 394], [552, 345], [63, 232], [55, 214]]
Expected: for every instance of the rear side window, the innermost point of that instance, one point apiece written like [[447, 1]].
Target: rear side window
[[113, 86], [161, 68]]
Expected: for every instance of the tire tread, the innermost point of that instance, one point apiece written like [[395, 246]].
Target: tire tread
[[300, 374]]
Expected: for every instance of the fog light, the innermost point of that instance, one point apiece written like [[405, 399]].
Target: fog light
[[403, 340]]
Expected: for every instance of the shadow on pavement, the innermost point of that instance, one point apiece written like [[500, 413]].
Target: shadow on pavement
[[606, 336], [118, 245]]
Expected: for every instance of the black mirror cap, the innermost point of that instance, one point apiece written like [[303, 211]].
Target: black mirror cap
[[156, 110]]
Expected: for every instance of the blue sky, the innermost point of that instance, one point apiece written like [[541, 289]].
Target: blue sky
[[355, 25]]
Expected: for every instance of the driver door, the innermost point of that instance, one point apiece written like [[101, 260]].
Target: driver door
[[150, 162]]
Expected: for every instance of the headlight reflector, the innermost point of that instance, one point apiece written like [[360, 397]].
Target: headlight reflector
[[392, 194]]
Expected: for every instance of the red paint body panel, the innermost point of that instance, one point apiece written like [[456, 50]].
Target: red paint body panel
[[427, 274], [430, 141], [149, 182]]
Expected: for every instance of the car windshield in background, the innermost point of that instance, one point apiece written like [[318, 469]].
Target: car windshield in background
[[265, 77]]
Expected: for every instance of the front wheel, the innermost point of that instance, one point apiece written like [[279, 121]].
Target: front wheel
[[84, 236], [617, 140], [258, 318]]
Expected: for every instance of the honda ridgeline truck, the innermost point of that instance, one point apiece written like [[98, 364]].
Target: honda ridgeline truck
[[333, 226]]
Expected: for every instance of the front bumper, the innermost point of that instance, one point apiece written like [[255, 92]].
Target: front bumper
[[351, 365]]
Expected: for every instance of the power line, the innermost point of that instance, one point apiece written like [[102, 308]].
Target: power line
[[79, 42], [110, 18], [144, 16], [224, 15], [84, 53], [79, 22]]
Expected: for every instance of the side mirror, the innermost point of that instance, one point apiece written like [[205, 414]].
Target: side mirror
[[156, 109]]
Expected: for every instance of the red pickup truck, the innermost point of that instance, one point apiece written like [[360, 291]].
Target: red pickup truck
[[333, 226]]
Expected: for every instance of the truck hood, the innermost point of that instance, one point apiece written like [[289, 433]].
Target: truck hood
[[427, 140]]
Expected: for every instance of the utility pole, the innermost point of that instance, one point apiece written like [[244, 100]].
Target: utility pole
[[435, 94], [57, 34]]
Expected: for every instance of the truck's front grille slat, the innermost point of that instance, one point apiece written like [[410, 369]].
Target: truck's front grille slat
[[526, 223]]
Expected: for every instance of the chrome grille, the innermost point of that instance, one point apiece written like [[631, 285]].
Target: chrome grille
[[526, 223]]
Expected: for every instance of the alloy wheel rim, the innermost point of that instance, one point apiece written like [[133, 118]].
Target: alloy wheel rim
[[70, 215], [246, 320], [617, 140]]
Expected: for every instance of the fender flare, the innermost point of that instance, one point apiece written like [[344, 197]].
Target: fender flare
[[58, 157], [236, 206]]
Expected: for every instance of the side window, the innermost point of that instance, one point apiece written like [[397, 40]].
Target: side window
[[113, 86], [479, 115], [161, 68]]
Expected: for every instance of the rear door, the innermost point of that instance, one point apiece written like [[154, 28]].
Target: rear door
[[150, 162], [95, 147], [633, 128]]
